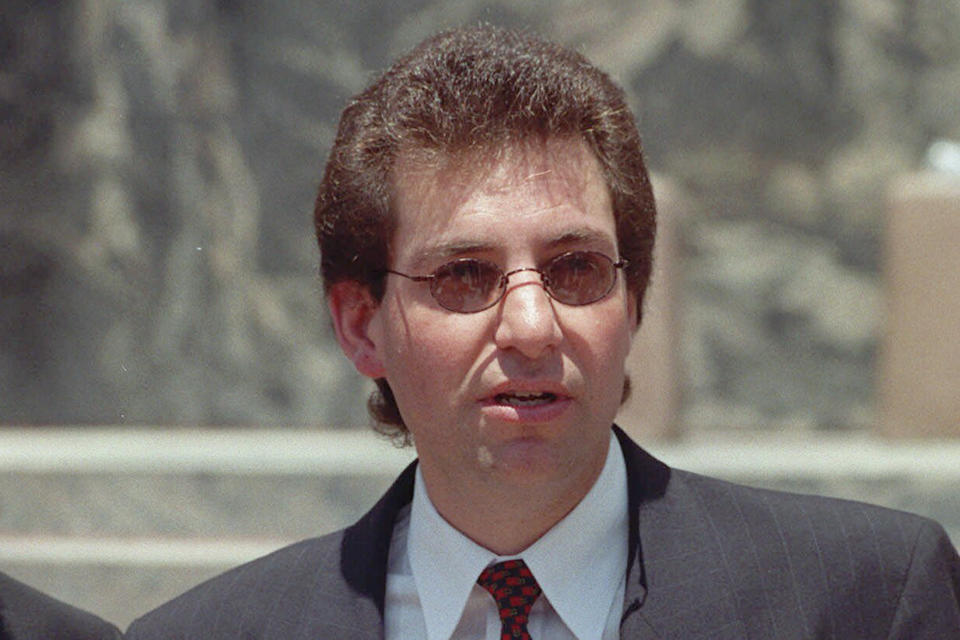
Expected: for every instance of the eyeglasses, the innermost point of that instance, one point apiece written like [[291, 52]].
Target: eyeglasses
[[468, 285]]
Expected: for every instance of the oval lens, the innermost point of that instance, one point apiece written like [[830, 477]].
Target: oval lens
[[465, 285], [580, 277]]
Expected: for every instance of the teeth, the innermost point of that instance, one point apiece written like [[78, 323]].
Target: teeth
[[524, 398]]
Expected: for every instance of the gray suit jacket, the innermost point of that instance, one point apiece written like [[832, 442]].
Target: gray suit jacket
[[28, 614], [708, 559]]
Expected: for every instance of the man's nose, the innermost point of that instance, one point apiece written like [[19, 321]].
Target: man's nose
[[527, 318]]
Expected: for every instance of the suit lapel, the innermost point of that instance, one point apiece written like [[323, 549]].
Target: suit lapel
[[364, 555], [676, 586], [3, 633]]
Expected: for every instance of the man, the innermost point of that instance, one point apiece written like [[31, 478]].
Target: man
[[27, 614], [486, 225]]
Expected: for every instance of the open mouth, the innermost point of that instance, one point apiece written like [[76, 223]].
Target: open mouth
[[524, 399]]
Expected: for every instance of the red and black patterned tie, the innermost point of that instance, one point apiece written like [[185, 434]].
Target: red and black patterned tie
[[515, 589]]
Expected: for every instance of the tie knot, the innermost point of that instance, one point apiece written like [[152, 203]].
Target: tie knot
[[515, 590]]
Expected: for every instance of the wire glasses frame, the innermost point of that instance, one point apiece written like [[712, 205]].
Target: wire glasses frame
[[470, 285]]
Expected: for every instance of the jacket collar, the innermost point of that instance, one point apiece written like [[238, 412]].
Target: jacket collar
[[366, 545], [676, 587], [653, 525], [647, 480]]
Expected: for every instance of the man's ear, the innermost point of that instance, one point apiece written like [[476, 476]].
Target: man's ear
[[352, 308]]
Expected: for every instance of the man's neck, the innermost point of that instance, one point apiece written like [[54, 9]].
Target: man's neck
[[506, 518]]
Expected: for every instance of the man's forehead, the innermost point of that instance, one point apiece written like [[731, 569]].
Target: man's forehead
[[417, 174], [453, 207]]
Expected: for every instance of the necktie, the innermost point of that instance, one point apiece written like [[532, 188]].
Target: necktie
[[515, 589]]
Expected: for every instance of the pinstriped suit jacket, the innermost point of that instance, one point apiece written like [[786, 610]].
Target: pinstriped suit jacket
[[708, 559]]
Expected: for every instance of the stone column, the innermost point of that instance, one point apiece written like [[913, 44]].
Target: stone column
[[920, 359], [653, 363]]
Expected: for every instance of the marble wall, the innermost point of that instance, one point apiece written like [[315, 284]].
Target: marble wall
[[158, 161]]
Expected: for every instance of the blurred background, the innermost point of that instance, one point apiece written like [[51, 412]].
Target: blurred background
[[158, 163]]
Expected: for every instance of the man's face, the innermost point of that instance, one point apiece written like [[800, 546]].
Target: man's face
[[523, 392]]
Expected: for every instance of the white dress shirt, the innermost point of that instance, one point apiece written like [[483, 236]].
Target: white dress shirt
[[580, 564]]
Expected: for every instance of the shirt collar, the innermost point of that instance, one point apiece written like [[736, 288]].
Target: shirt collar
[[444, 562], [591, 540]]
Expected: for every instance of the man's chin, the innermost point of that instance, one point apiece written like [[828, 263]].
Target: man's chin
[[525, 461]]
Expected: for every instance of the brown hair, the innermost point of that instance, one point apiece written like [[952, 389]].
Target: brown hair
[[472, 89]]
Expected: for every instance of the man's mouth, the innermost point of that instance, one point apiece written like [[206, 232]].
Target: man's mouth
[[524, 399]]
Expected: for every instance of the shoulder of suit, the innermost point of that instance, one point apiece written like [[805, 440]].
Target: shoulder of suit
[[719, 493], [29, 614], [861, 529], [238, 597], [857, 565]]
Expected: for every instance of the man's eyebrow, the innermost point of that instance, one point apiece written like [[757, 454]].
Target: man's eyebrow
[[584, 235], [452, 250]]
